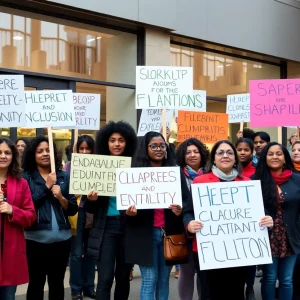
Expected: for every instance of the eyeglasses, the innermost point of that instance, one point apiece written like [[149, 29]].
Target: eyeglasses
[[155, 147], [228, 153]]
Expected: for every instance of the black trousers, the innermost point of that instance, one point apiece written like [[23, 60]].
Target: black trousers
[[47, 261], [227, 283], [111, 263]]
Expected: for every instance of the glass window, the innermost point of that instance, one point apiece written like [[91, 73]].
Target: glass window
[[67, 48], [221, 75]]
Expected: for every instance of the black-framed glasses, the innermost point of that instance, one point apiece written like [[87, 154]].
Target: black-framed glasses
[[155, 147]]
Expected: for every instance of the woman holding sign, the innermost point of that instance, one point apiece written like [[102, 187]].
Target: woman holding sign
[[224, 166], [281, 194], [16, 212], [144, 236], [48, 241], [107, 236], [191, 156]]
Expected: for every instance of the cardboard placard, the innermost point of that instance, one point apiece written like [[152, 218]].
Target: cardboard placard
[[238, 108], [12, 104], [148, 188], [90, 172], [274, 103], [151, 120], [165, 87], [52, 108], [207, 127], [231, 235]]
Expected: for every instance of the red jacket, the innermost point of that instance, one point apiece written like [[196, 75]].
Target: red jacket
[[249, 170], [189, 210], [13, 262]]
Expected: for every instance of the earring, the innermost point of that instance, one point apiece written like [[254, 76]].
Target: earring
[[166, 155], [284, 165]]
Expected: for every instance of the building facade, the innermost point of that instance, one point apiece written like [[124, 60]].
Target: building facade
[[94, 46]]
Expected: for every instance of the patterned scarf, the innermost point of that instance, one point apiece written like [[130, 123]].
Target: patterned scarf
[[189, 172]]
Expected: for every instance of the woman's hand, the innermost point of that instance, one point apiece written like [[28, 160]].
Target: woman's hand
[[266, 221], [51, 180], [131, 211], [92, 196], [176, 209], [195, 226], [56, 191], [5, 208]]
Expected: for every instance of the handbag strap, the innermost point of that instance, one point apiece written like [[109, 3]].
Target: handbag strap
[[163, 231]]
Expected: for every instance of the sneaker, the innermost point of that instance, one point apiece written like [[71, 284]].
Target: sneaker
[[91, 294], [77, 296], [250, 295], [259, 273], [176, 274]]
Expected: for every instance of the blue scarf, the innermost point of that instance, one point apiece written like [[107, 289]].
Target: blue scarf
[[188, 171]]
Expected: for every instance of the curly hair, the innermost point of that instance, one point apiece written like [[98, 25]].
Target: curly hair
[[14, 169], [29, 162], [263, 173], [141, 157], [214, 149], [89, 141], [121, 127], [181, 151]]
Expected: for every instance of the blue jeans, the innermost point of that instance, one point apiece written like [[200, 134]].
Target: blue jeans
[[8, 292], [155, 279], [281, 268], [82, 267]]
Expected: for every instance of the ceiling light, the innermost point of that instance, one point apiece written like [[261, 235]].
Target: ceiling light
[[99, 37], [220, 66], [18, 38], [90, 40]]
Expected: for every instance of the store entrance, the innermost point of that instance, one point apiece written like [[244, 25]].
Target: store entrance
[[62, 137]]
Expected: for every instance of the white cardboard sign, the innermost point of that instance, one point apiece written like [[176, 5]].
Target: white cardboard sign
[[151, 120], [238, 108], [164, 87], [12, 105], [231, 235], [148, 188], [49, 108]]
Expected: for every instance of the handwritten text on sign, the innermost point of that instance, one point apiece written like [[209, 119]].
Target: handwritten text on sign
[[49, 108], [12, 105], [148, 188], [231, 235], [165, 87], [91, 172], [207, 127], [238, 108], [151, 120], [275, 102], [87, 111]]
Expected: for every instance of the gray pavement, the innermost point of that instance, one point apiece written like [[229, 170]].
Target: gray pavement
[[134, 289]]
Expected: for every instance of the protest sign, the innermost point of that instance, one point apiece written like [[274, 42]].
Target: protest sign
[[91, 172], [238, 108], [87, 111], [165, 87], [148, 188], [274, 102], [208, 127], [12, 104], [231, 235], [151, 120], [49, 108]]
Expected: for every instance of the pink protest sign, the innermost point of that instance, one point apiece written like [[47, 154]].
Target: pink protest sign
[[275, 102]]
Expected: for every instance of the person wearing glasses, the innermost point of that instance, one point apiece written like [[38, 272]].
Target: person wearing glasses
[[144, 235], [293, 138], [224, 166]]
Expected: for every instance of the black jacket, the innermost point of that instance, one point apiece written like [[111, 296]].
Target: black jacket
[[291, 210], [99, 208], [139, 231], [43, 199]]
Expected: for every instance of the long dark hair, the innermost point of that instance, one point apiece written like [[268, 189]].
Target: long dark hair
[[14, 169], [121, 127], [141, 158], [263, 173], [89, 141], [237, 164], [29, 162], [181, 151]]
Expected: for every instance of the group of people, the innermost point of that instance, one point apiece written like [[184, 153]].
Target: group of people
[[89, 233]]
